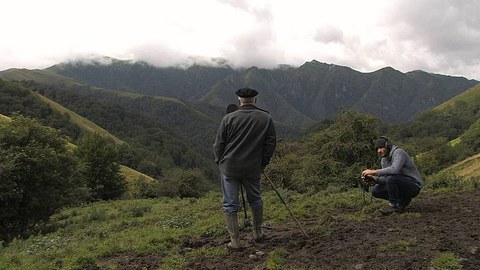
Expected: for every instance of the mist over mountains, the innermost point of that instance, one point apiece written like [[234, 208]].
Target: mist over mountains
[[297, 96]]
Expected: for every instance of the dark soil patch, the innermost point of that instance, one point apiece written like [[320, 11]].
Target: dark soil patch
[[131, 261], [400, 241]]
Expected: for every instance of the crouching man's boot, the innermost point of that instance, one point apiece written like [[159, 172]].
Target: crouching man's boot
[[233, 230], [257, 214]]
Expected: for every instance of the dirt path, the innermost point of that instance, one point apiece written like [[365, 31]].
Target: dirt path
[[400, 241]]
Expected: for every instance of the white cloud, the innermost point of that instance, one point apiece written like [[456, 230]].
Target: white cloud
[[436, 36]]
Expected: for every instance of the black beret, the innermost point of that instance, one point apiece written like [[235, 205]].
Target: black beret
[[246, 92]]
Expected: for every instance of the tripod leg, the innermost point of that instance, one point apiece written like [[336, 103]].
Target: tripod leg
[[246, 222]]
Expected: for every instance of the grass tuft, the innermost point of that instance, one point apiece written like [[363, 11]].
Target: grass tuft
[[276, 258], [446, 261], [402, 245]]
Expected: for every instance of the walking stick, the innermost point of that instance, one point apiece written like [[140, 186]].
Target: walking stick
[[288, 208]]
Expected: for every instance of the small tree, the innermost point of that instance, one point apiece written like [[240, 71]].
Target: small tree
[[36, 175], [99, 167]]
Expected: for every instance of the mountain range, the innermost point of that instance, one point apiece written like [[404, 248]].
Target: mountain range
[[296, 96], [169, 115]]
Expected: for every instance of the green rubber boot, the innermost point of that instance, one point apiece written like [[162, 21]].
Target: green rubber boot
[[233, 230], [257, 215]]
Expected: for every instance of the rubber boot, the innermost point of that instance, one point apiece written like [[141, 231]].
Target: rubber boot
[[257, 216], [233, 230]]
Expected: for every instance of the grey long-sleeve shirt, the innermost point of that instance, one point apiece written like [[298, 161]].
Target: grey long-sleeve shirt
[[245, 142], [399, 162]]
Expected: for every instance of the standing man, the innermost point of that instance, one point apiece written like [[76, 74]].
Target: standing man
[[243, 147], [399, 179]]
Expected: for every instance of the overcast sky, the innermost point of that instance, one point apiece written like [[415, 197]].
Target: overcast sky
[[439, 36]]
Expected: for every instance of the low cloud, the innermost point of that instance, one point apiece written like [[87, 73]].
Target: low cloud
[[435, 36]]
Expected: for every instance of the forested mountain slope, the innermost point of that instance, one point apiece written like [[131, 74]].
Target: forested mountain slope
[[314, 91], [152, 145]]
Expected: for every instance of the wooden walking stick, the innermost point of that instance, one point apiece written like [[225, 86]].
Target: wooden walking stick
[[288, 208]]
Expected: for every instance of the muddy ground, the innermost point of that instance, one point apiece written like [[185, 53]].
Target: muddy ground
[[410, 240], [400, 241]]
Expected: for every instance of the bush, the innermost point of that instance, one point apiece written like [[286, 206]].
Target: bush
[[184, 183], [335, 155], [37, 175], [143, 189], [444, 180]]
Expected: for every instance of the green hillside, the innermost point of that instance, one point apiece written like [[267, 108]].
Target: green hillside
[[40, 76], [16, 93], [153, 143], [4, 118], [85, 124], [469, 98], [448, 120], [130, 174], [470, 167], [467, 103]]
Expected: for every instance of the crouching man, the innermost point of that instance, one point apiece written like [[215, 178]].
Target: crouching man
[[398, 181]]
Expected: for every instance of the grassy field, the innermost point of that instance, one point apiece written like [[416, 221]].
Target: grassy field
[[76, 238], [79, 237], [85, 237]]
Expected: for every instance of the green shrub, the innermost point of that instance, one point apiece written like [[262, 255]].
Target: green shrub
[[183, 183], [444, 180], [143, 189], [334, 155], [446, 261], [97, 214], [139, 210]]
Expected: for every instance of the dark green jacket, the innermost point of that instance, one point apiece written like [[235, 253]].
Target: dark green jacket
[[245, 142]]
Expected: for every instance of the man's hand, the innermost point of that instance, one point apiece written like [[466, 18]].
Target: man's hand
[[369, 172]]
